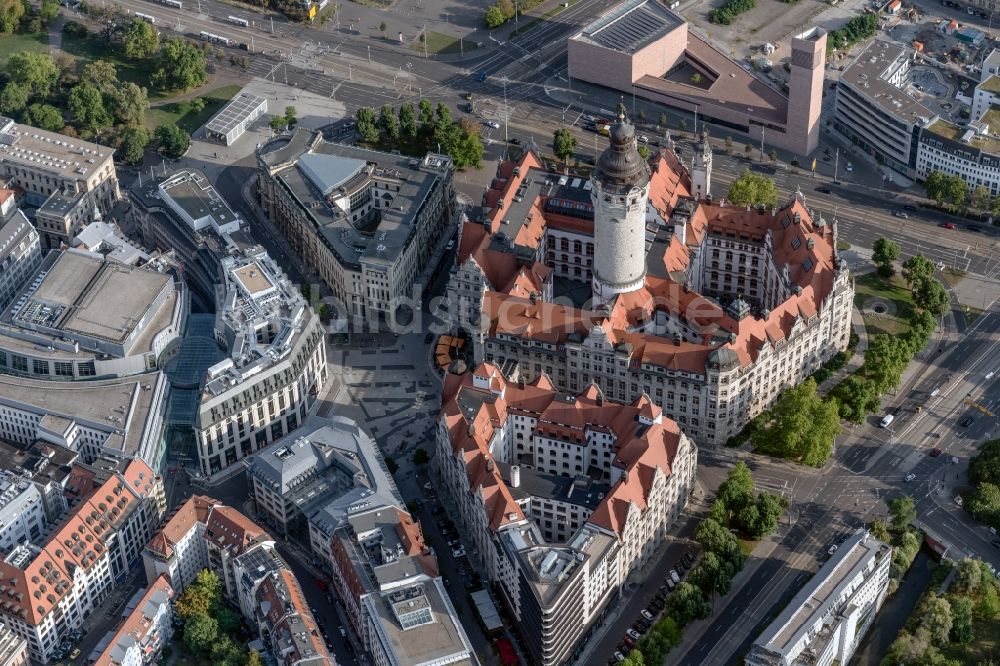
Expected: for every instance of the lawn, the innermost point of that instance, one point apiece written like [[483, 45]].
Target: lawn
[[439, 42], [985, 644], [181, 114], [20, 43], [886, 305]]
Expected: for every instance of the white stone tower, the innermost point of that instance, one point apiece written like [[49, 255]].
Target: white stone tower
[[620, 192], [701, 169]]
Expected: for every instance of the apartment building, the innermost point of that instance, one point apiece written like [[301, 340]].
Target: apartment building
[[45, 465], [559, 496], [140, 638], [205, 534], [327, 486], [824, 623], [22, 511], [13, 648], [372, 225], [275, 368], [66, 181], [52, 584], [732, 306]]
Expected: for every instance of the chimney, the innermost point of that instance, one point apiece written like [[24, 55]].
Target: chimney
[[515, 476]]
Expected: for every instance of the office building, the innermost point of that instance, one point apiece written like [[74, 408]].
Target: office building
[[824, 623], [559, 496], [141, 637], [732, 305], [22, 511], [644, 48], [372, 225], [52, 584], [20, 255], [66, 181], [45, 465]]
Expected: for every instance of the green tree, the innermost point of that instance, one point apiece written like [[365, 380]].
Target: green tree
[[387, 123], [917, 268], [980, 198], [37, 71], [961, 620], [201, 633], [878, 530], [563, 144], [426, 116], [140, 40], [984, 503], [753, 189], [133, 144], [391, 464], [930, 295], [800, 425], [773, 156], [956, 191], [634, 658], [173, 140], [49, 11], [768, 510], [228, 619], [11, 12], [291, 113], [86, 106], [729, 145], [937, 620], [934, 185], [365, 119], [664, 121], [885, 360], [714, 537], [643, 151], [407, 122], [420, 456], [909, 648], [14, 97], [181, 66], [687, 603], [102, 74], [494, 17], [44, 116], [382, 27], [985, 465], [130, 104], [902, 512], [988, 605], [884, 252], [747, 149], [712, 574], [736, 492], [254, 659]]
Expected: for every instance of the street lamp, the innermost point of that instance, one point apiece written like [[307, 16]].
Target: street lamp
[[409, 76]]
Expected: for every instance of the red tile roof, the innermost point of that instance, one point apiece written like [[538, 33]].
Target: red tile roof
[[136, 625], [183, 519]]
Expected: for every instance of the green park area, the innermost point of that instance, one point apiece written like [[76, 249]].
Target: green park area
[[18, 43], [189, 115], [886, 304], [439, 42]]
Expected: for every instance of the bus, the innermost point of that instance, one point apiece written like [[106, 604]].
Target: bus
[[176, 4], [215, 39], [146, 17], [238, 21]]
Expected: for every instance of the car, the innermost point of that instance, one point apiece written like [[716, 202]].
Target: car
[[458, 552], [619, 657], [633, 634], [849, 167], [996, 543], [901, 214], [343, 632], [671, 585], [935, 452], [643, 138], [515, 141], [454, 543], [468, 108], [910, 477], [629, 641], [646, 614], [966, 422], [329, 598], [831, 550], [958, 500], [823, 189], [688, 557], [974, 228], [451, 245], [971, 11], [467, 97], [642, 625], [674, 577], [656, 605], [947, 225], [482, 77], [492, 123], [910, 207], [679, 566]]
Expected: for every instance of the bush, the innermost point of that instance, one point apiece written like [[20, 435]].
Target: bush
[[725, 14], [74, 29], [857, 29]]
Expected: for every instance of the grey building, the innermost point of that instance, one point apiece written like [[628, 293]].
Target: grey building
[[20, 254]]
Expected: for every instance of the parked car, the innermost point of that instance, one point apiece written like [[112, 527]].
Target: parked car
[[629, 641], [515, 141], [674, 577], [974, 228], [947, 225], [458, 552], [996, 543], [619, 657], [642, 625], [823, 189], [646, 614], [901, 214], [671, 585], [910, 207], [850, 167], [633, 634], [494, 124], [910, 477], [831, 550], [935, 452]]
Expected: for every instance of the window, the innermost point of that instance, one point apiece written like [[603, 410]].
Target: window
[[86, 369], [20, 363], [64, 369]]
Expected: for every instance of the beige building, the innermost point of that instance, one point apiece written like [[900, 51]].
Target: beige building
[[646, 49], [372, 225], [66, 179], [559, 496]]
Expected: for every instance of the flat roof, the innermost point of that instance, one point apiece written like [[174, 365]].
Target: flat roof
[[192, 192], [868, 75], [239, 109], [991, 84], [631, 26], [92, 297], [40, 150], [253, 279]]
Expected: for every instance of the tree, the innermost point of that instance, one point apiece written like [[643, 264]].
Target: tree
[[984, 503], [980, 198], [931, 296], [934, 186], [773, 156], [753, 189], [181, 66], [641, 116], [291, 113], [494, 17], [391, 465], [800, 425], [228, 619], [687, 603], [382, 27], [443, 114], [140, 39], [885, 360], [643, 151], [961, 620], [736, 492], [969, 575], [201, 633], [420, 456], [936, 619], [917, 268], [426, 116], [884, 252], [985, 465], [254, 659], [956, 191], [563, 144], [747, 149], [133, 145], [714, 537], [768, 510], [191, 603], [365, 119], [712, 575], [989, 603], [902, 512], [664, 120], [37, 71], [729, 145], [86, 105], [879, 530], [634, 658], [49, 11], [407, 122], [102, 74], [908, 648], [464, 144], [387, 123], [44, 116], [173, 140], [11, 12], [14, 97], [130, 104]]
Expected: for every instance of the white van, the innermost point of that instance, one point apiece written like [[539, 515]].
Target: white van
[[886, 421]]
